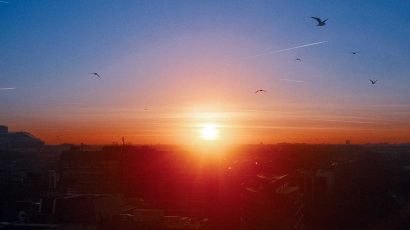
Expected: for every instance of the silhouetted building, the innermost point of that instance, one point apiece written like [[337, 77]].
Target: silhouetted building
[[273, 202], [4, 129], [18, 140]]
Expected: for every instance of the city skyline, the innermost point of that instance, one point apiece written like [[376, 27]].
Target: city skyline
[[170, 70]]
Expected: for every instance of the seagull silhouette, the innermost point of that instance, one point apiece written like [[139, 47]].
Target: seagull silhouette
[[260, 90], [298, 59], [96, 74], [319, 21], [355, 52], [373, 81]]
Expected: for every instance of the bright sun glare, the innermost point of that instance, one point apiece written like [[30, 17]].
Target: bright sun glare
[[209, 132]]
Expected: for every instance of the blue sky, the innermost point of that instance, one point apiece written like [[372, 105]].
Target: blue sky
[[149, 52]]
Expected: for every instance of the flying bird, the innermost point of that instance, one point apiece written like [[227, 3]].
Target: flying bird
[[260, 91], [355, 52], [319, 21], [298, 59], [373, 81], [96, 74]]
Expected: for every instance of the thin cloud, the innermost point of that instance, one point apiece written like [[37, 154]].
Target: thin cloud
[[291, 80], [73, 103], [287, 49]]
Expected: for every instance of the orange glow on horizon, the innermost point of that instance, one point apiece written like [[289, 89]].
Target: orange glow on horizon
[[231, 125]]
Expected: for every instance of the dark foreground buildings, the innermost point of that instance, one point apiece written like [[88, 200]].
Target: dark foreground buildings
[[285, 186]]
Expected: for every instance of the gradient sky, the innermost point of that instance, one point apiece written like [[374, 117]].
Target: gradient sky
[[195, 62]]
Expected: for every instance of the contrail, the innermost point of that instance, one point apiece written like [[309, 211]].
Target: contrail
[[291, 80], [282, 50], [7, 88], [4, 2]]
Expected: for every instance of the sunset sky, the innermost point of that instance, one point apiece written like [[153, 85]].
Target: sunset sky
[[169, 67]]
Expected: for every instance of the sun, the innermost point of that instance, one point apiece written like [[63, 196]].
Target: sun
[[209, 132]]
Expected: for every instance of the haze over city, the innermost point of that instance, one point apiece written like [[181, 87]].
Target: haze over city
[[178, 72]]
